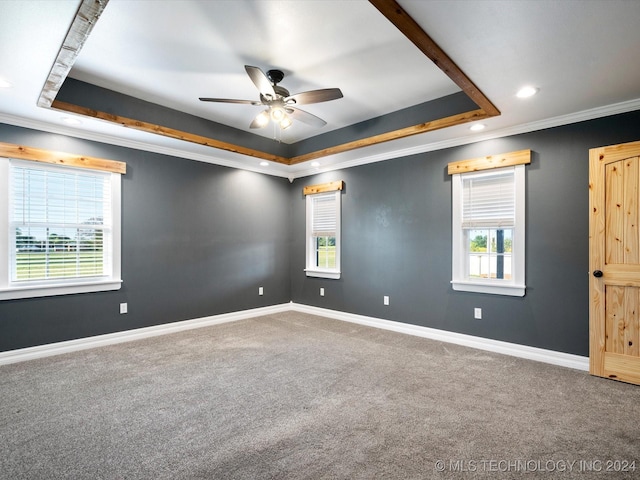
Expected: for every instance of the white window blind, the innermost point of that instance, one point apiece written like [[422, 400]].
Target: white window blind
[[60, 223], [324, 223], [483, 203], [488, 200], [323, 234]]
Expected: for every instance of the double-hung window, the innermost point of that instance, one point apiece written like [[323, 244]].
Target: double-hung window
[[59, 229], [488, 231], [323, 230]]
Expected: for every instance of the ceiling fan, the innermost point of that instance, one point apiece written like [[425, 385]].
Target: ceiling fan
[[281, 105]]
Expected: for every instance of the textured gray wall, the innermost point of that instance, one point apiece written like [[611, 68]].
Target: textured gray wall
[[197, 240], [397, 240]]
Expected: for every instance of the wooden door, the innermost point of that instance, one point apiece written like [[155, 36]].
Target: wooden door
[[614, 262]]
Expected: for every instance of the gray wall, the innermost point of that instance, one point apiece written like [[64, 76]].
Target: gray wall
[[397, 240], [197, 240]]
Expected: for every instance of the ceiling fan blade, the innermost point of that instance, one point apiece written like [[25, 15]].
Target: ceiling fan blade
[[305, 117], [315, 96], [229, 100], [261, 81]]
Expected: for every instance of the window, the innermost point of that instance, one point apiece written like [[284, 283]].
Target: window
[[323, 232], [489, 231], [59, 229]]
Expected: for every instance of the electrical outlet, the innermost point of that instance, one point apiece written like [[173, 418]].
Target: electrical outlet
[[477, 313], [321, 291], [386, 300], [260, 291], [123, 308]]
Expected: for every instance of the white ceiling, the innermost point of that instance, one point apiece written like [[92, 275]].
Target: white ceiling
[[581, 54], [136, 48]]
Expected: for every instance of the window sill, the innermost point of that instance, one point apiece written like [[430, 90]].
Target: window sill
[[332, 274], [32, 291], [490, 288]]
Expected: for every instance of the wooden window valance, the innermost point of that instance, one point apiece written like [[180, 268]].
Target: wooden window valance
[[492, 161], [10, 150], [323, 187]]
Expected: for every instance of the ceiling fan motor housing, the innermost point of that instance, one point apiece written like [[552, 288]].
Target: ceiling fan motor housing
[[281, 91], [275, 76]]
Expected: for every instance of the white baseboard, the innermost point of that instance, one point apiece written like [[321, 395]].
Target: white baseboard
[[31, 353], [531, 353], [522, 351]]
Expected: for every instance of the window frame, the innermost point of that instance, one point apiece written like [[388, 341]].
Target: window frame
[[42, 288], [515, 286], [312, 270]]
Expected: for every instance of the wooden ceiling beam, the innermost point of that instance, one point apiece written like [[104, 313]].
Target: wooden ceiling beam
[[472, 116], [83, 22], [166, 131], [410, 28]]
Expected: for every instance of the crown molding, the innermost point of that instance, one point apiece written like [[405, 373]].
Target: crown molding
[[558, 121], [241, 163], [287, 171]]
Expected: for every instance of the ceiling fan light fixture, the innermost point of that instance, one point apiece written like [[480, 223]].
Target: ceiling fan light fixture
[[279, 102], [262, 119], [285, 122], [277, 114]]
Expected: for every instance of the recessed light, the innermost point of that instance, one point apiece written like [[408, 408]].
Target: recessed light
[[477, 127], [264, 164], [5, 84], [526, 92], [71, 121], [315, 164]]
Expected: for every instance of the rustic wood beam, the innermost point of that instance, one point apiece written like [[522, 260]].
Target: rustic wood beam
[[86, 17], [167, 132], [472, 116], [410, 28], [10, 150]]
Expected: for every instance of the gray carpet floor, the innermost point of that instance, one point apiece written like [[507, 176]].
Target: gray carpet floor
[[295, 396]]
